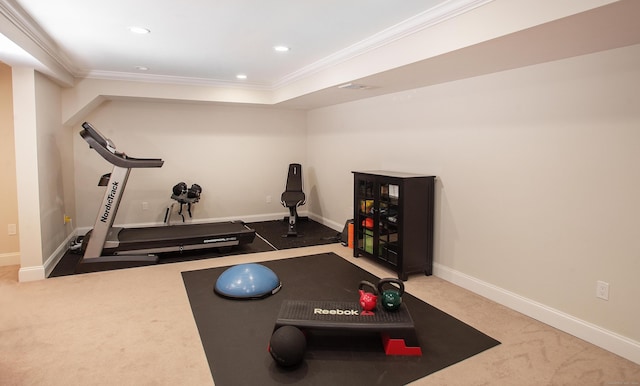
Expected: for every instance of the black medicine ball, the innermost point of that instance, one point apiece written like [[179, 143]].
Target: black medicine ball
[[287, 346]]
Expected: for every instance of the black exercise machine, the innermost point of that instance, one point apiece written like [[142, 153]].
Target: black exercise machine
[[108, 247], [293, 197]]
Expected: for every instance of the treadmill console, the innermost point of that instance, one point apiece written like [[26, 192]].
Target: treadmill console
[[99, 138], [107, 150]]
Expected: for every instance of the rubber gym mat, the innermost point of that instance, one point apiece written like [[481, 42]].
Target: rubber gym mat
[[235, 334], [309, 233]]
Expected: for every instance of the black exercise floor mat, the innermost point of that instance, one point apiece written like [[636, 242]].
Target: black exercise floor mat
[[235, 333], [309, 233]]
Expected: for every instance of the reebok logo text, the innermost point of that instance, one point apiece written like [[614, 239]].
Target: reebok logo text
[[322, 311]]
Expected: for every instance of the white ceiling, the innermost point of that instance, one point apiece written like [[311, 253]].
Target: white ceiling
[[213, 40], [209, 42]]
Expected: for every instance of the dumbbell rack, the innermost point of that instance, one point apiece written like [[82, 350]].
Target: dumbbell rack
[[396, 328]]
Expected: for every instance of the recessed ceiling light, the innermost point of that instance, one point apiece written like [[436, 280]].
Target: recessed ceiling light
[[142, 68], [281, 48], [241, 76], [354, 86], [139, 30]]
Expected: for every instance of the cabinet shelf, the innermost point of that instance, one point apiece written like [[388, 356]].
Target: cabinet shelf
[[393, 220]]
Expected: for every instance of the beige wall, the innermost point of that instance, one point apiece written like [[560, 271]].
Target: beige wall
[[55, 166], [538, 177], [9, 244], [239, 155], [27, 173], [44, 172]]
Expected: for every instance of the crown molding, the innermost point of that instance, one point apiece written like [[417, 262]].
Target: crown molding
[[167, 79], [417, 23], [26, 25]]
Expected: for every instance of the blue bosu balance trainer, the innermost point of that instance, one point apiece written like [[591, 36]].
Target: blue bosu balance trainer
[[247, 281]]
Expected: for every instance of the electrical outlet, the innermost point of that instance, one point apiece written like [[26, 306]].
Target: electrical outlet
[[268, 199], [145, 205], [602, 290], [12, 229]]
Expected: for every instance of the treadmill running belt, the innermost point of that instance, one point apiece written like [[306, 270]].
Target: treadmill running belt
[[223, 233]]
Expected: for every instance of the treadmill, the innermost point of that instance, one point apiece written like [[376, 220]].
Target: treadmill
[[108, 247]]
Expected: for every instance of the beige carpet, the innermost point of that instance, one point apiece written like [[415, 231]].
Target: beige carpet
[[135, 327]]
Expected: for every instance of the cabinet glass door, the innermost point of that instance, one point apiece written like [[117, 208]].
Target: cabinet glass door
[[388, 223], [366, 211]]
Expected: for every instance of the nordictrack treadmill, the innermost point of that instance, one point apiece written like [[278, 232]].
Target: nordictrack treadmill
[[108, 247]]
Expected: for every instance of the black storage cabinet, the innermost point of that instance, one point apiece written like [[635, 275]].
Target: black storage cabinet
[[393, 220]]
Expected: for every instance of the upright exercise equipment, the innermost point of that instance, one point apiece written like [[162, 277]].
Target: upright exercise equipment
[[293, 197], [108, 247]]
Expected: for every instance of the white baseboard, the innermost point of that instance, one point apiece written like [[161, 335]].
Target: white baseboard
[[608, 340], [31, 273], [56, 256], [41, 272], [9, 259], [331, 224]]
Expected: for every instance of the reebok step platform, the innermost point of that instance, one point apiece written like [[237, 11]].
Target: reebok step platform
[[395, 327]]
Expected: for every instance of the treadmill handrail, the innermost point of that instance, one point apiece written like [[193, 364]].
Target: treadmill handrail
[[100, 144]]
